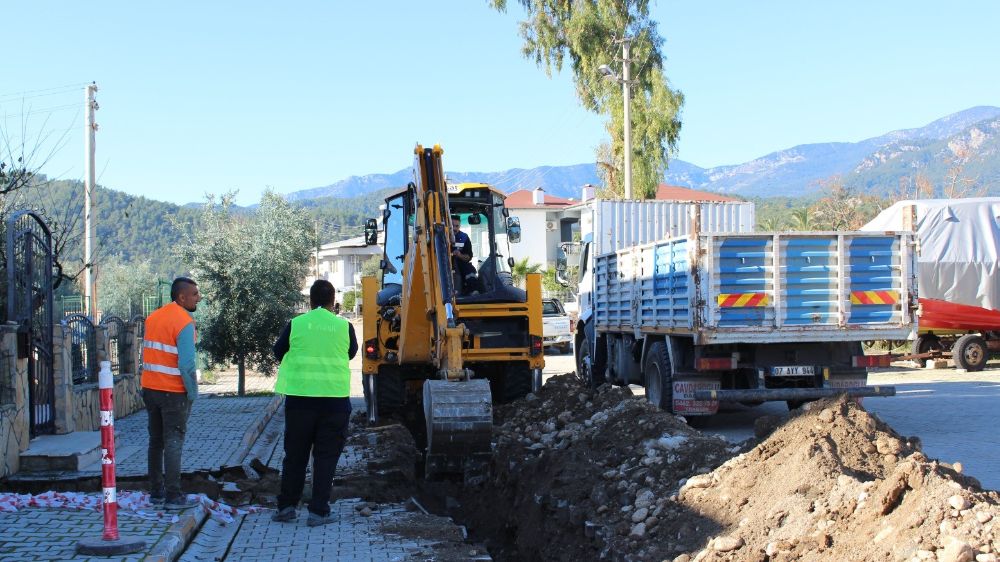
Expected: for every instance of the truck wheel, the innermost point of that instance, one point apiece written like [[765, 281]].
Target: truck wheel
[[926, 343], [970, 352], [565, 348], [659, 378], [589, 369]]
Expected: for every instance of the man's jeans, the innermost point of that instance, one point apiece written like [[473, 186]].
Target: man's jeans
[[168, 416]]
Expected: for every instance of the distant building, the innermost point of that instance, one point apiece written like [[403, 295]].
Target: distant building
[[547, 221], [340, 264], [543, 224], [666, 192]]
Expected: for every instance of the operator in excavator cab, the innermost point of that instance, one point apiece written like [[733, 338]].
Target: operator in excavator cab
[[461, 257]]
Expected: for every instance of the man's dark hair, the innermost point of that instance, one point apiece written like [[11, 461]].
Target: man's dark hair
[[456, 218], [321, 293], [178, 284]]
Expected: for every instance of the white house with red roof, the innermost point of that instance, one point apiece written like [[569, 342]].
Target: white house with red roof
[[544, 225]]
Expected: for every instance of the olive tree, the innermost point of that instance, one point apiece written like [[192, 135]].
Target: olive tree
[[122, 286], [250, 267]]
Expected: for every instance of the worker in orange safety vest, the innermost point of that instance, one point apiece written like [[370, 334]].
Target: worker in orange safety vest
[[169, 386]]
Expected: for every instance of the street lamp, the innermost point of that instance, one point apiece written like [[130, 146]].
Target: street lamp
[[626, 81]]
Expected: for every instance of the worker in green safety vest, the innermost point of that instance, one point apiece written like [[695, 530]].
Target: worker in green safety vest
[[315, 350]]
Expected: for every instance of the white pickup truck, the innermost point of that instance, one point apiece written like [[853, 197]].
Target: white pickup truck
[[556, 326]]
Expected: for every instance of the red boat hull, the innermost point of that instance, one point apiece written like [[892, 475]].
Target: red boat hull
[[942, 315]]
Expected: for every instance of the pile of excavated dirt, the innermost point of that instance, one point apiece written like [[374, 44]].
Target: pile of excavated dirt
[[582, 475], [836, 483]]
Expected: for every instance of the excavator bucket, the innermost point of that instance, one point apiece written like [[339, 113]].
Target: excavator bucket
[[459, 419]]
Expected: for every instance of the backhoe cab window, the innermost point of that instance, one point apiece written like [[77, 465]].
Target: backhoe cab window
[[499, 225], [395, 241], [490, 220]]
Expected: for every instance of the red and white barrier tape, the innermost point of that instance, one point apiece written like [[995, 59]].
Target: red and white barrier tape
[[136, 504]]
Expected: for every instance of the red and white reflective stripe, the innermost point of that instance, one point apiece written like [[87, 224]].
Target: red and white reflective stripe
[[106, 383]]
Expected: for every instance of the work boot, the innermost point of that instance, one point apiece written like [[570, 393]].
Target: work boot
[[285, 514], [181, 502], [317, 520], [157, 497]]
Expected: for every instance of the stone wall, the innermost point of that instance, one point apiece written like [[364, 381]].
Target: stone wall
[[77, 407], [14, 430], [87, 401]]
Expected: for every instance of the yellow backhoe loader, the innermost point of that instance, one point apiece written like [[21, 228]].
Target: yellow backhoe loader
[[440, 347]]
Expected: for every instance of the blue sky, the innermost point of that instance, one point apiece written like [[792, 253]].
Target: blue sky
[[204, 97]]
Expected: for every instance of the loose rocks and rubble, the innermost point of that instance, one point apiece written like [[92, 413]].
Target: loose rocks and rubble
[[582, 474]]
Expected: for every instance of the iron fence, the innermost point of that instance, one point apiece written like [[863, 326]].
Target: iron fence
[[117, 344], [140, 336], [83, 353], [69, 304]]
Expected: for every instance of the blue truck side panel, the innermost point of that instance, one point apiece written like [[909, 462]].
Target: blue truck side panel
[[761, 287]]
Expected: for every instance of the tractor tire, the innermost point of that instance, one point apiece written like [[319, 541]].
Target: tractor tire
[[659, 377], [390, 392], [512, 384], [970, 352]]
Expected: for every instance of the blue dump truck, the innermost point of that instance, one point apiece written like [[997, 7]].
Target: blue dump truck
[[687, 301]]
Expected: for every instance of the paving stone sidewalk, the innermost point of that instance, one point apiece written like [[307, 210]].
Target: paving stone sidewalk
[[218, 430], [351, 537], [44, 534], [215, 432]]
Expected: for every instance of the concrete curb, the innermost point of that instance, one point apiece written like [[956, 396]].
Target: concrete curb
[[173, 542], [253, 432]]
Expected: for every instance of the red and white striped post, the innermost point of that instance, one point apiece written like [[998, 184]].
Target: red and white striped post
[[106, 384], [110, 543]]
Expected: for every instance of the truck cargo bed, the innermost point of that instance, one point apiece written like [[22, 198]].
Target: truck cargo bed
[[767, 287]]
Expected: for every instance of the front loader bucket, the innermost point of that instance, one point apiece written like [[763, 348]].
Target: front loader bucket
[[459, 419]]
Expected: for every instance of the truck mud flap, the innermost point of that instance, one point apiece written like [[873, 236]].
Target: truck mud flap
[[770, 394], [687, 400]]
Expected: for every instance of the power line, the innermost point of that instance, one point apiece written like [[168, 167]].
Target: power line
[[42, 110], [66, 88], [21, 98]]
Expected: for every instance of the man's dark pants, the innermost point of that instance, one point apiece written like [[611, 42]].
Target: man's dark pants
[[322, 432], [168, 416]]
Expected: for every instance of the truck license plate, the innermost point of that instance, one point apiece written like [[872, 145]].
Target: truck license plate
[[793, 371]]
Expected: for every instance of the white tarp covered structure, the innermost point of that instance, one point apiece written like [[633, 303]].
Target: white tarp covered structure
[[959, 247]]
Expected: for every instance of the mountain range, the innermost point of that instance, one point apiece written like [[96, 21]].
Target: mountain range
[[970, 138]]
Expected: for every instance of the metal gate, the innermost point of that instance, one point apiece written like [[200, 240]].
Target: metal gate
[[29, 304]]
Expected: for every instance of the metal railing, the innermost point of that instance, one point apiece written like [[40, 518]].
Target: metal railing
[[83, 352], [117, 344]]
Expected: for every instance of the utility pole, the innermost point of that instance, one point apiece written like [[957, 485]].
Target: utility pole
[[89, 181], [316, 260], [627, 94]]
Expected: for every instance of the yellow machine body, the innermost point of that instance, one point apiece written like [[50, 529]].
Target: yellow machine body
[[439, 345]]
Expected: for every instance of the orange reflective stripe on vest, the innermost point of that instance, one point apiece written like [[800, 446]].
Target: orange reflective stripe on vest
[[159, 351]]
